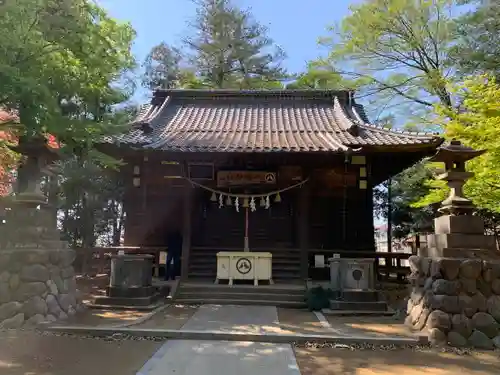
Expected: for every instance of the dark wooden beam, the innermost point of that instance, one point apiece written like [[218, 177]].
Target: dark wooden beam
[[302, 217], [186, 229]]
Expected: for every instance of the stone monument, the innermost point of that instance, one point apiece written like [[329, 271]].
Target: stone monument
[[130, 284], [37, 279], [455, 280]]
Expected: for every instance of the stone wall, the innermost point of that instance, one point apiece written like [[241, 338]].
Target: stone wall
[[456, 300], [36, 286]]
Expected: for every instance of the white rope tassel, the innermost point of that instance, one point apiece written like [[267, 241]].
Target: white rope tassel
[[268, 203], [237, 204], [252, 205], [221, 201]]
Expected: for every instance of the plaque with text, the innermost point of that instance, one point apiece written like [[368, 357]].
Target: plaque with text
[[242, 178]]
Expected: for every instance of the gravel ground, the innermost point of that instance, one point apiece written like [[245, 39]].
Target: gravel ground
[[41, 353], [32, 353], [347, 360], [370, 325]]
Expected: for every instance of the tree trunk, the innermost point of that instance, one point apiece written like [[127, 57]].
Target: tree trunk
[[389, 216]]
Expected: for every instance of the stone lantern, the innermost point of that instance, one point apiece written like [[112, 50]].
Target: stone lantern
[[37, 278], [29, 215], [454, 156], [455, 284], [457, 233]]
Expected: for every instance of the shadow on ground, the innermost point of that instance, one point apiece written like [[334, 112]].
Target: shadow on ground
[[329, 361], [29, 353]]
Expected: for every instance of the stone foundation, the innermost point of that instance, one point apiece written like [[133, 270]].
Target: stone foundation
[[456, 300], [36, 286]]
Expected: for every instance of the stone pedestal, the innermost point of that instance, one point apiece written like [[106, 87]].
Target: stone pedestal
[[465, 233], [456, 300], [456, 284], [130, 283], [352, 282], [352, 273], [36, 286], [456, 279]]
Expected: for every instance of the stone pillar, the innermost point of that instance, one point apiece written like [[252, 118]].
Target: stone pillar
[[455, 281]]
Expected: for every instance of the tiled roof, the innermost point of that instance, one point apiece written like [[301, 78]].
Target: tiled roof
[[259, 121]]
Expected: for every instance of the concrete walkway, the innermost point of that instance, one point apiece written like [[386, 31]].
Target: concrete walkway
[[233, 319], [187, 357]]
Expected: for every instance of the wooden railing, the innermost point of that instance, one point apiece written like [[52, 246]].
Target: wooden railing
[[392, 266], [98, 258]]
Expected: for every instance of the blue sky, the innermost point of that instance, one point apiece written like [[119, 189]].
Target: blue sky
[[295, 25]]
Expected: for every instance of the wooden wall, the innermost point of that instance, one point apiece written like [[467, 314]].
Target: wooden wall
[[339, 213]]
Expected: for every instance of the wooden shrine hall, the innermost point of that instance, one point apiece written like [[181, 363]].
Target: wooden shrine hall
[[283, 173]]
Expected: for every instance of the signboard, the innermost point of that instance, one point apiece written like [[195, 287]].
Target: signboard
[[239, 178]]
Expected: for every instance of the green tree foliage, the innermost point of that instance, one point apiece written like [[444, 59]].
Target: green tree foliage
[[229, 49], [321, 77], [162, 67], [477, 124], [226, 48], [406, 188], [60, 65], [399, 48], [477, 48], [64, 65]]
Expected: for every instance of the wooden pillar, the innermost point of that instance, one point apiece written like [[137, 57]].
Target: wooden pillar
[[303, 229], [186, 229]]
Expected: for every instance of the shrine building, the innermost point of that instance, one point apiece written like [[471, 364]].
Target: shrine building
[[287, 173]]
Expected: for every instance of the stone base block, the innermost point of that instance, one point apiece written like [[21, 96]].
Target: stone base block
[[138, 292], [483, 254], [36, 286], [461, 241], [466, 224], [124, 302], [457, 301]]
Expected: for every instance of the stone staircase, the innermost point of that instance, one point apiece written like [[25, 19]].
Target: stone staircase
[[286, 265], [292, 296], [358, 302]]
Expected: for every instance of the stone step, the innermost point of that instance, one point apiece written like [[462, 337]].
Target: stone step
[[358, 306], [210, 262], [357, 312], [240, 289], [356, 295], [257, 302], [278, 274], [270, 297]]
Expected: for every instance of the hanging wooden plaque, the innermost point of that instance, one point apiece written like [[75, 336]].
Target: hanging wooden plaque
[[242, 178]]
